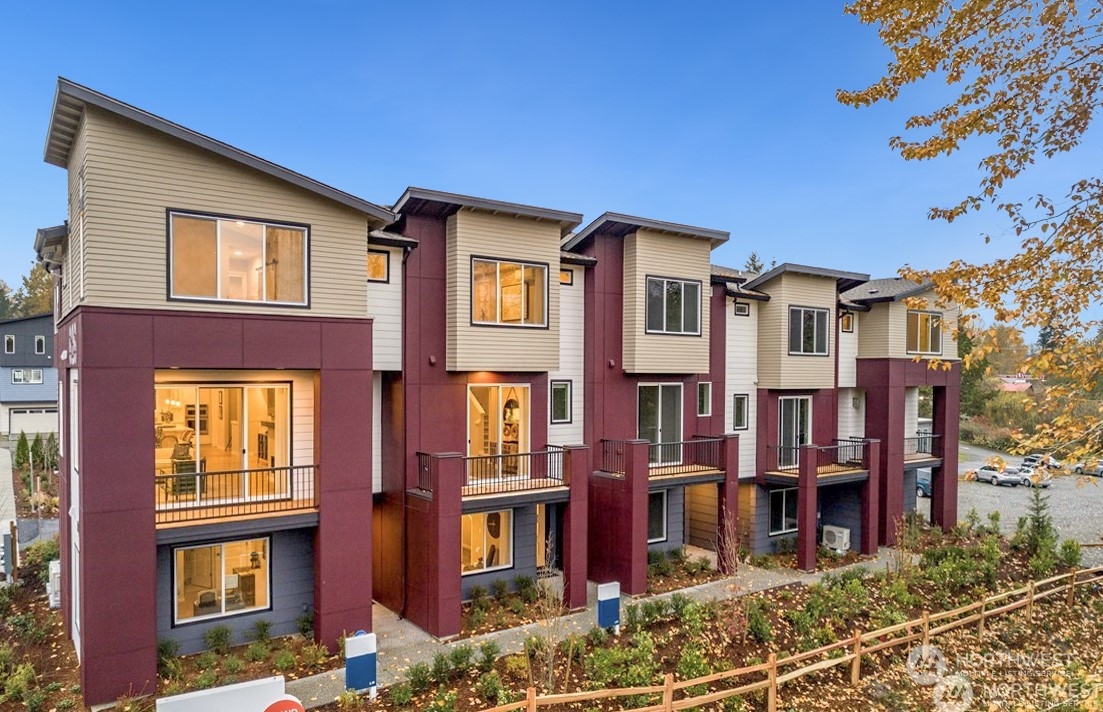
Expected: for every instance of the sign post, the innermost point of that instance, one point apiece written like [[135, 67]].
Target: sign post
[[608, 606], [360, 663]]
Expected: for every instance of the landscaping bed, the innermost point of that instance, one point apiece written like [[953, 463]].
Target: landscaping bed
[[31, 500], [674, 570]]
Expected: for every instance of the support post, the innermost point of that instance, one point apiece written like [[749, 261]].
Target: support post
[[771, 691], [636, 478], [1072, 589], [871, 511], [576, 466], [856, 663], [728, 505], [807, 501]]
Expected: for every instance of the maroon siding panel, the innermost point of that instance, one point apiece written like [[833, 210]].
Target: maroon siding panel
[[609, 517], [576, 529], [387, 574], [718, 359]]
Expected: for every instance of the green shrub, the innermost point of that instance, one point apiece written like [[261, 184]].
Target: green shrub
[[634, 665], [598, 636], [474, 619], [284, 660], [348, 699], [20, 681], [1070, 553], [52, 451], [38, 453], [233, 664], [489, 686], [488, 654], [442, 668], [758, 622], [517, 606], [37, 558], [262, 631], [692, 664], [206, 679], [256, 652], [479, 599], [167, 648], [66, 704], [443, 702], [500, 587], [420, 676], [658, 564], [678, 603], [314, 655], [306, 625], [206, 660], [526, 588], [35, 700], [218, 639], [401, 694], [27, 629], [22, 450], [461, 657]]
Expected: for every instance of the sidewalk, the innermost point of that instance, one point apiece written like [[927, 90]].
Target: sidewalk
[[402, 644], [7, 492]]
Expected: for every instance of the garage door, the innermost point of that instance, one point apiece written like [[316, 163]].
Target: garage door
[[32, 420]]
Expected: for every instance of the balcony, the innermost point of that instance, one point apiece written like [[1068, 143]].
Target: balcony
[[842, 460], [498, 474], [922, 449], [192, 497], [697, 457]]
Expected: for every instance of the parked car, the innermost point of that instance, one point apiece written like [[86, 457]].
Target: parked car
[[1034, 459], [1091, 467], [1035, 477], [992, 475], [923, 484]]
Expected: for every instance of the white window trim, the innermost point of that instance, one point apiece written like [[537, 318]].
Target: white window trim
[[746, 399], [9, 343], [708, 399], [681, 413], [40, 345], [551, 401], [742, 309], [18, 376], [665, 281], [784, 496], [930, 325], [34, 375], [827, 334], [666, 515], [177, 620], [218, 220], [524, 323], [509, 537]]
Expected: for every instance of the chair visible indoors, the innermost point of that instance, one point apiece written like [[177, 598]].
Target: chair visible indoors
[[492, 556], [206, 603]]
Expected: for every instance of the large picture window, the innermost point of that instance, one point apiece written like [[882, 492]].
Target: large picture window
[[509, 293], [783, 511], [924, 332], [673, 306], [237, 260], [486, 541], [807, 331], [221, 579]]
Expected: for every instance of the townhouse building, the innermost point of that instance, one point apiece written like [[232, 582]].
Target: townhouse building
[[28, 378], [280, 400]]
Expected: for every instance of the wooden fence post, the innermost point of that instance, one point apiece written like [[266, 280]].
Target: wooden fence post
[[980, 623], [856, 663], [1030, 602], [1072, 589], [668, 692], [926, 630], [531, 707], [771, 692]]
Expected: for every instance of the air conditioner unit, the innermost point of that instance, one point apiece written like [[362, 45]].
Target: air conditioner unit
[[837, 538], [53, 587]]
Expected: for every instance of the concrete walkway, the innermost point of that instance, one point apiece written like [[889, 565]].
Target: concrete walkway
[[402, 644], [7, 490]]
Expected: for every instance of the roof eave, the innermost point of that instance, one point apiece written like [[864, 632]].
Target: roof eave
[[567, 221], [837, 275], [715, 237]]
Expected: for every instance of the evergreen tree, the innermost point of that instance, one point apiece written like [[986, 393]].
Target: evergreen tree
[[38, 451], [22, 450], [754, 263]]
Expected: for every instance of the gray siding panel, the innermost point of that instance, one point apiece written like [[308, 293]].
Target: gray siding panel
[[910, 477], [675, 521], [45, 392], [24, 331], [292, 594], [524, 553], [841, 506]]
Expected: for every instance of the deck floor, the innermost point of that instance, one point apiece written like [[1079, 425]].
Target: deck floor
[[179, 517], [682, 471], [511, 486], [825, 472]]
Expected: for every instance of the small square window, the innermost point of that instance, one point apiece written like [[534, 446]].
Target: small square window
[[379, 266], [40, 344], [846, 323], [742, 309], [740, 402], [561, 401], [566, 276], [17, 376], [9, 343], [704, 398]]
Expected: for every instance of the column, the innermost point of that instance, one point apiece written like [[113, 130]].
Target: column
[[807, 500]]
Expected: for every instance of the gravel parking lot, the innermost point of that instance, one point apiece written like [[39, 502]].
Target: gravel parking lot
[[1074, 505]]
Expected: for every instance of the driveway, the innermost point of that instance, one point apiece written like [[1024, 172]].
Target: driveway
[[1074, 502]]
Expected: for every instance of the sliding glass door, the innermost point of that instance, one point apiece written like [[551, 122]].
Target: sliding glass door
[[660, 422], [497, 430], [794, 428]]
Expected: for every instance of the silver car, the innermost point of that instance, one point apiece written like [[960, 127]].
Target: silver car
[[1035, 477], [992, 475], [1091, 467]]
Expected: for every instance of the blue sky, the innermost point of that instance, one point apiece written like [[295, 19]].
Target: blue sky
[[714, 114]]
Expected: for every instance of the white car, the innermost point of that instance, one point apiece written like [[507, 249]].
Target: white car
[[1035, 478], [992, 475], [1091, 467], [1038, 458]]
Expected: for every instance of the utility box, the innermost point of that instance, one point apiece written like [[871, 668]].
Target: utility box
[[53, 586]]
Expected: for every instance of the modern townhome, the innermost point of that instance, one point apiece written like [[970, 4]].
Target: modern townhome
[[891, 330], [28, 378], [278, 400], [485, 471], [215, 356], [654, 405]]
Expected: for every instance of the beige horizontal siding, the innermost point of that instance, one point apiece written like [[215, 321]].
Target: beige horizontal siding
[[385, 309], [572, 337], [648, 253], [741, 367], [884, 331], [776, 368], [134, 174], [499, 348], [848, 355]]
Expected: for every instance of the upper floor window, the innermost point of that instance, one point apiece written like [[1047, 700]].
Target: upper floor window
[[807, 331], [704, 398], [379, 266], [742, 309], [561, 401], [924, 332], [509, 293], [29, 375], [9, 343], [40, 344], [566, 277], [237, 260], [740, 406], [846, 322], [673, 306]]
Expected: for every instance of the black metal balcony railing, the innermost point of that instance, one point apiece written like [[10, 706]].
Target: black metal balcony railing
[[663, 459], [844, 455], [193, 496], [492, 474], [920, 445]]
